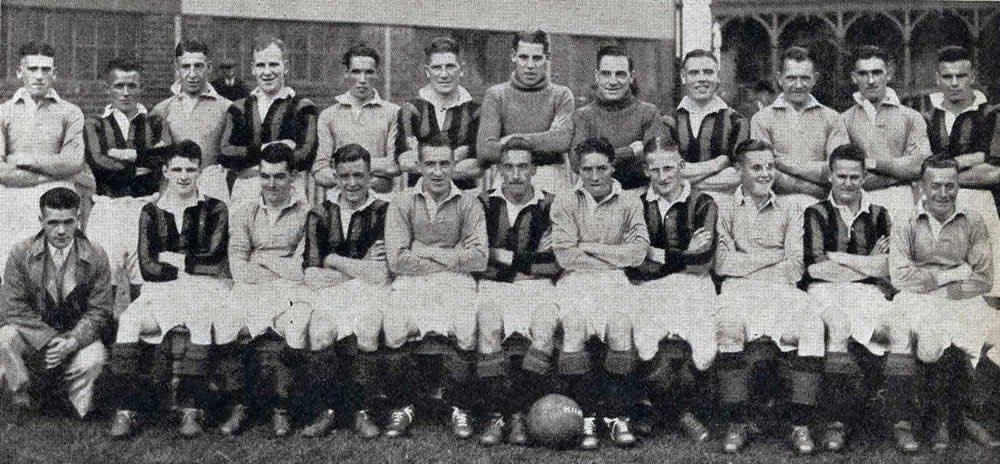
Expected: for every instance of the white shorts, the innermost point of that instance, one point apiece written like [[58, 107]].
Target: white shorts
[[857, 309], [336, 310], [677, 306], [270, 305], [191, 301], [517, 301], [940, 322], [785, 314], [597, 297], [443, 303]]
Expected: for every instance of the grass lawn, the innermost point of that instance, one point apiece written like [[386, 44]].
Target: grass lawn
[[66, 440]]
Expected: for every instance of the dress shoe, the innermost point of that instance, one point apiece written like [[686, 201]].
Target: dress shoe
[[493, 433], [234, 424], [124, 424], [321, 426], [281, 422], [191, 419]]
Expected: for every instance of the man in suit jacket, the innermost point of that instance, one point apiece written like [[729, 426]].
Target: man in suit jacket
[[55, 303], [230, 85]]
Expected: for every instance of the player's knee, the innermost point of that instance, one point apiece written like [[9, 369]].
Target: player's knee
[[574, 332], [369, 324], [838, 326], [619, 333], [544, 321], [490, 323], [730, 335]]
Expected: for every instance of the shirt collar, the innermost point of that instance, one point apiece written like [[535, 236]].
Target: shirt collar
[[616, 190], [534, 200], [345, 207], [53, 250], [780, 102], [294, 199], [110, 109], [22, 95], [742, 199], [285, 92], [452, 193], [866, 202], [207, 92], [890, 99], [717, 104], [347, 99], [652, 196], [937, 101], [959, 211], [428, 93]]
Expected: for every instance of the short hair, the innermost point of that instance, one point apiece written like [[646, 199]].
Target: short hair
[[36, 48], [360, 49], [847, 152], [517, 144], [263, 42], [185, 149], [659, 143], [350, 153], [278, 153], [442, 45], [59, 198], [953, 53], [749, 145], [440, 140], [121, 64], [613, 50], [537, 36], [939, 161], [797, 54], [866, 52], [190, 46], [595, 145], [698, 53]]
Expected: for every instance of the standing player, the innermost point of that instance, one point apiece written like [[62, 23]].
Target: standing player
[[515, 297], [265, 242], [941, 260], [196, 112], [801, 129], [359, 116], [119, 150], [272, 113], [531, 107], [597, 231], [760, 258], [674, 343], [442, 107], [41, 146], [345, 267], [435, 238], [55, 303], [618, 115], [705, 128], [182, 255], [846, 253], [893, 136], [961, 126]]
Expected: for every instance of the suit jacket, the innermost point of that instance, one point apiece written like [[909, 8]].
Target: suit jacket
[[231, 92], [29, 296]]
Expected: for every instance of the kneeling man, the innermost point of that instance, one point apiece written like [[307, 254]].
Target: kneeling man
[[55, 303]]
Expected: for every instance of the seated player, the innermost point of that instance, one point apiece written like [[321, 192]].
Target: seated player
[[182, 256], [435, 238], [675, 330], [55, 303], [262, 322], [846, 253], [941, 260], [516, 297], [345, 267], [597, 231], [762, 314]]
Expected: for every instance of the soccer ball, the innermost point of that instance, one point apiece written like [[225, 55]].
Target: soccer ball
[[555, 421]]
